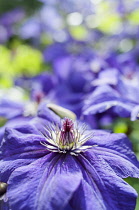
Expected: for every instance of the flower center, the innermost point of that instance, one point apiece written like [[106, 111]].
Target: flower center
[[32, 106], [67, 137]]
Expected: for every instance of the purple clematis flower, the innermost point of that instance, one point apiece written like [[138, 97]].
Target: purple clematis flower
[[67, 166], [63, 82], [17, 111], [117, 90], [105, 98]]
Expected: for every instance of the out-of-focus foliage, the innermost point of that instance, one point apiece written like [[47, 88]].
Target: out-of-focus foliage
[[134, 182], [134, 17], [22, 60], [29, 6], [26, 60]]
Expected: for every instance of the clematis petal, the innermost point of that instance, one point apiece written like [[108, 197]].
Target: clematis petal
[[31, 127], [135, 113], [10, 109], [58, 191], [104, 98], [116, 149], [65, 182], [107, 76], [19, 149], [20, 121], [48, 183], [111, 191], [86, 197], [17, 143]]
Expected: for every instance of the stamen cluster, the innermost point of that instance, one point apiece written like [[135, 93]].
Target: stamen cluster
[[66, 137]]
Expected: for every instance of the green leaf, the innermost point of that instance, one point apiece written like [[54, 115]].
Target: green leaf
[[78, 32], [134, 17]]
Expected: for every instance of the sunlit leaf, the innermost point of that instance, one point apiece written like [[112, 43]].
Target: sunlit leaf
[[134, 17], [78, 32]]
